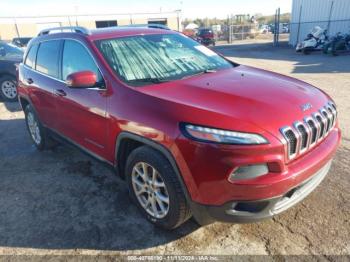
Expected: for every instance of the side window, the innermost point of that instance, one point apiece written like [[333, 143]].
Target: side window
[[47, 58], [30, 60], [76, 58]]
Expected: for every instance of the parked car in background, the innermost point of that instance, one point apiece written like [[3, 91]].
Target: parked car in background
[[205, 36], [10, 56], [21, 41], [192, 133]]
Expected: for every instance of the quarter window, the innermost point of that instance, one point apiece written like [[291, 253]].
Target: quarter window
[[76, 58], [47, 58], [30, 60]]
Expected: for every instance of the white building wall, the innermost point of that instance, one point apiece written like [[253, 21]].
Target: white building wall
[[11, 27], [319, 13]]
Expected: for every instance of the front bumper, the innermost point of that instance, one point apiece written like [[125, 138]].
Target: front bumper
[[252, 211]]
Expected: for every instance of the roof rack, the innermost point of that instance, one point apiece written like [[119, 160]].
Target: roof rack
[[74, 29]]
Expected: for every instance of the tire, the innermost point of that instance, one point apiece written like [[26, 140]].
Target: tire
[[177, 211], [8, 88], [306, 51], [37, 131]]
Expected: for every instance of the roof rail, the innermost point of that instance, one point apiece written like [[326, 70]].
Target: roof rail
[[74, 29]]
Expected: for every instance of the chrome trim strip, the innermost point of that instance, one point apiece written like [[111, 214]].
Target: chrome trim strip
[[283, 131], [300, 141], [334, 108], [325, 113], [307, 119], [324, 121], [334, 114]]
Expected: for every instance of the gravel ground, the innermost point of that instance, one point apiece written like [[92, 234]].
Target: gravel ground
[[62, 202]]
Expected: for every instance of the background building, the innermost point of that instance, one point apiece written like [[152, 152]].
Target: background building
[[11, 27], [333, 15]]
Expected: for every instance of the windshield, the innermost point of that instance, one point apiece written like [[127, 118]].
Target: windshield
[[139, 60]]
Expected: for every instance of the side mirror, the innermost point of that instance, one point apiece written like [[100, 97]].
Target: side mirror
[[2, 51], [83, 79]]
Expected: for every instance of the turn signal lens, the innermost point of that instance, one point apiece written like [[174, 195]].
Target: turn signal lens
[[248, 172]]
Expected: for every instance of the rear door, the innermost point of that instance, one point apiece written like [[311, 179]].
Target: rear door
[[82, 111], [41, 77]]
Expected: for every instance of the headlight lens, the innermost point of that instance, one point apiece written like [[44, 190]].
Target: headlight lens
[[206, 134]]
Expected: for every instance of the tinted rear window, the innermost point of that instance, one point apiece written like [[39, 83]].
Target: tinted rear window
[[47, 58], [30, 60]]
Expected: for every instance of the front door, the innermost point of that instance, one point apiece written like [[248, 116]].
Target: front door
[[82, 111]]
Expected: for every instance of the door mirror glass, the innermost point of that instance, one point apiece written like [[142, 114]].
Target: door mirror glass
[[82, 79]]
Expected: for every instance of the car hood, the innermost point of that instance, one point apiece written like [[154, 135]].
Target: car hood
[[242, 95], [12, 59]]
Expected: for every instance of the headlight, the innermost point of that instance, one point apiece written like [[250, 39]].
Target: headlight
[[206, 134]]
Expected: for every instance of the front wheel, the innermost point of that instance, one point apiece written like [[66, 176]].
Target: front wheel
[[307, 51], [8, 90], [155, 189]]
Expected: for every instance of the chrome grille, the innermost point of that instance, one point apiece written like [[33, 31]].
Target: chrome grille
[[322, 123], [303, 135]]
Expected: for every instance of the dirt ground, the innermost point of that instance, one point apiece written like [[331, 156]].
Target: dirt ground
[[63, 202]]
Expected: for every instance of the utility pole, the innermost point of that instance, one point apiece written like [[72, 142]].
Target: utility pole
[[76, 14], [16, 27]]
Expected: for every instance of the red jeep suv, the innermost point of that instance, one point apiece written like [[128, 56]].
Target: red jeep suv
[[191, 132]]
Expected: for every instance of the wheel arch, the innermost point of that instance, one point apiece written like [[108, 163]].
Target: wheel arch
[[24, 101], [121, 155], [5, 73]]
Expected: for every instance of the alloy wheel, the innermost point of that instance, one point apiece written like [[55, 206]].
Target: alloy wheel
[[33, 126], [150, 190]]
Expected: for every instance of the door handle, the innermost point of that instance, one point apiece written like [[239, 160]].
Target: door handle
[[60, 92], [30, 81]]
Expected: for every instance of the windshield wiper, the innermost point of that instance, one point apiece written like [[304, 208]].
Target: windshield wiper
[[205, 71], [148, 80]]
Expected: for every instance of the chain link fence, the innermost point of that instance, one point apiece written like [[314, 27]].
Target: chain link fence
[[248, 33]]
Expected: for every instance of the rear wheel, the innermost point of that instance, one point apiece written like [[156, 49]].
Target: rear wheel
[[37, 132], [155, 189], [8, 90]]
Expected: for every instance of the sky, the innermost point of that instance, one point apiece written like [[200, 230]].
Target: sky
[[190, 8]]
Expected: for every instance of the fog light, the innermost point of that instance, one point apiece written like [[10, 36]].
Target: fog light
[[248, 172]]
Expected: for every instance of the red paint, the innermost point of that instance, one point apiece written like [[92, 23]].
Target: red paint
[[241, 99], [81, 79]]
